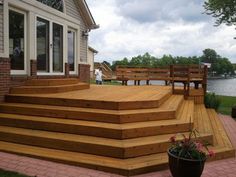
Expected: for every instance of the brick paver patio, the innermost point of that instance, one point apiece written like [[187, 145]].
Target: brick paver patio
[[42, 168]]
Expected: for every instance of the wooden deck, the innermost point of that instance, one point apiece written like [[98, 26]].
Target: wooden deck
[[119, 129]]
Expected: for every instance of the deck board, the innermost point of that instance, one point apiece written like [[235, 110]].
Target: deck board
[[120, 129], [117, 93]]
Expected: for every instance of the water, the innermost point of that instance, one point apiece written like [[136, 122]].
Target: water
[[225, 87]]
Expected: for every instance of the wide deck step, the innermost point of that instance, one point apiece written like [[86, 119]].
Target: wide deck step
[[127, 167], [220, 136], [91, 145], [48, 89], [167, 110], [51, 82], [182, 123], [115, 98]]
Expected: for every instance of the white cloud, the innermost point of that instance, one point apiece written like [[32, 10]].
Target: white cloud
[[176, 27]]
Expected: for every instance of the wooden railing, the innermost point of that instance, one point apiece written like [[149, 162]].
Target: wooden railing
[[185, 74]]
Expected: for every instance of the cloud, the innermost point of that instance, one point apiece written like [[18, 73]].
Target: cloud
[[176, 27], [161, 10]]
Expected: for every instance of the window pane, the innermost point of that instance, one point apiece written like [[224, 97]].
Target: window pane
[[71, 50], [57, 48], [56, 4], [42, 45], [16, 40]]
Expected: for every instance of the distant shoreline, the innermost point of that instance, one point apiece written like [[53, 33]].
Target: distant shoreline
[[220, 77]]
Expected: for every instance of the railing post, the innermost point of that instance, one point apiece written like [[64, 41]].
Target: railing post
[[204, 85]]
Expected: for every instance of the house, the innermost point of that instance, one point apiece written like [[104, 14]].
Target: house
[[43, 39], [91, 53]]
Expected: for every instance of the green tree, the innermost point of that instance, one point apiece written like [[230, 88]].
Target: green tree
[[223, 10], [124, 62], [166, 60], [209, 56]]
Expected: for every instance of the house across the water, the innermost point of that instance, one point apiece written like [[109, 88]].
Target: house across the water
[[43, 39]]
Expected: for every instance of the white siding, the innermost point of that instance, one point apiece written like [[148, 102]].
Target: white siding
[[72, 9], [1, 31]]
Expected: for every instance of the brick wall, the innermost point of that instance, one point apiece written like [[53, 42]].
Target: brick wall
[[4, 77], [33, 69], [84, 72]]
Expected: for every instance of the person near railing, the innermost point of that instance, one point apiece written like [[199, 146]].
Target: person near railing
[[98, 76]]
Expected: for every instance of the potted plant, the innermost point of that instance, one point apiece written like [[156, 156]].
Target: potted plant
[[187, 157], [233, 113]]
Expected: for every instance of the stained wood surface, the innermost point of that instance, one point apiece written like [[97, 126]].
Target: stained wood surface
[[51, 82], [102, 97], [92, 145], [166, 111], [109, 138], [48, 89]]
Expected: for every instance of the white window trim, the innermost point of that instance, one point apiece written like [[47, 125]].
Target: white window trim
[[20, 72], [39, 8], [75, 50], [50, 73]]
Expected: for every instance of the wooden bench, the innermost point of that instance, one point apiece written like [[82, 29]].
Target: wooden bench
[[188, 74], [185, 74], [159, 74], [135, 74]]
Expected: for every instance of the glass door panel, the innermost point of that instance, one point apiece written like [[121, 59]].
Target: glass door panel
[[42, 45], [71, 50], [17, 40], [57, 48]]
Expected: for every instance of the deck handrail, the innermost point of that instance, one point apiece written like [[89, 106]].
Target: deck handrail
[[191, 73]]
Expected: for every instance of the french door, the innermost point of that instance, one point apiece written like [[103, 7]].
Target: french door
[[49, 46], [17, 41]]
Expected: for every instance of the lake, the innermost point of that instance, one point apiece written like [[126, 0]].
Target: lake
[[225, 87]]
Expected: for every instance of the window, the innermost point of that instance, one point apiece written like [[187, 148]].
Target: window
[[71, 49], [57, 48], [17, 40], [56, 4], [42, 45]]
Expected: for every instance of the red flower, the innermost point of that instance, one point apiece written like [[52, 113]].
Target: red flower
[[199, 146], [211, 153], [172, 139]]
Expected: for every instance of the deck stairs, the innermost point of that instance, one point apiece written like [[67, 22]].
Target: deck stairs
[[123, 141], [42, 86]]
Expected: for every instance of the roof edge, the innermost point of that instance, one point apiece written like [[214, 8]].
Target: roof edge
[[87, 14], [92, 50]]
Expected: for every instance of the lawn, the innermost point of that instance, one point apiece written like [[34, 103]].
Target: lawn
[[226, 104], [4, 173], [113, 82]]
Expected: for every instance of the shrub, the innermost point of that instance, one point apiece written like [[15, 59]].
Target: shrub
[[212, 101]]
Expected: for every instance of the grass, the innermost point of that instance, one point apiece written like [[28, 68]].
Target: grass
[[226, 104], [113, 82], [4, 173]]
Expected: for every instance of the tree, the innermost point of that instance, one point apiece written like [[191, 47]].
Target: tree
[[124, 62], [209, 56], [223, 10]]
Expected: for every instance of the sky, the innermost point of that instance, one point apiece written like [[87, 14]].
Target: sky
[[177, 27]]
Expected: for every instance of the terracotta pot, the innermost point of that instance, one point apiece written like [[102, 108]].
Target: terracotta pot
[[181, 167]]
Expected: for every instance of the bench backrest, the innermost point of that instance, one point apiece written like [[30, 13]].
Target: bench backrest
[[174, 71]]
